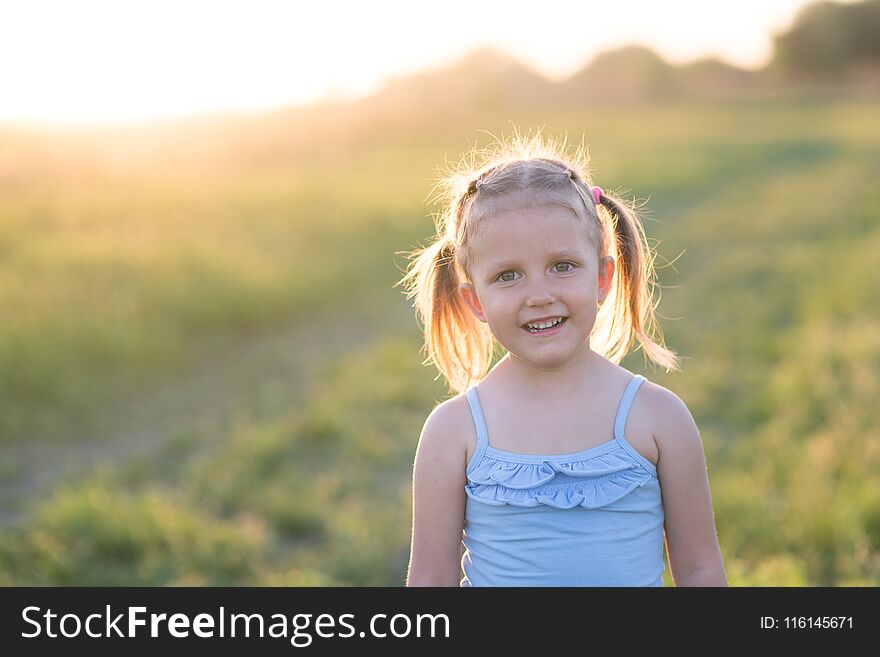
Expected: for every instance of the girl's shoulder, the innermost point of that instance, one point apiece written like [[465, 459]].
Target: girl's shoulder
[[655, 415], [655, 397], [659, 412], [451, 422]]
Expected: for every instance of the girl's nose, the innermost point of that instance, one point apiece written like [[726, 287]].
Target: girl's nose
[[540, 296]]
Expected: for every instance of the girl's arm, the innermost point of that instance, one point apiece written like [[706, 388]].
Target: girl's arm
[[691, 538], [439, 498]]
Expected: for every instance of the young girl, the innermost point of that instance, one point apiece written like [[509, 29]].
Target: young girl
[[548, 469]]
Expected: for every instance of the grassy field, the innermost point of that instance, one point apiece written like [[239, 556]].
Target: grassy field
[[173, 270]]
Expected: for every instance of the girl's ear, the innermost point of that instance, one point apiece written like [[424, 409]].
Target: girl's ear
[[469, 294], [606, 277]]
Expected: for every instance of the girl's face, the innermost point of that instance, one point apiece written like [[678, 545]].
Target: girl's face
[[534, 263]]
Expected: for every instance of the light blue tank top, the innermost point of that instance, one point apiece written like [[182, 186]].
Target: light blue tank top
[[590, 518]]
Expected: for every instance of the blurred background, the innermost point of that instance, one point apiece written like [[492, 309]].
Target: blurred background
[[207, 376]]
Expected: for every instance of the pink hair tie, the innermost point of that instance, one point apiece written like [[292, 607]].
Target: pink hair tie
[[598, 193]]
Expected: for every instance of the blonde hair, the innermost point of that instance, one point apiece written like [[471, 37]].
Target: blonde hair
[[528, 169]]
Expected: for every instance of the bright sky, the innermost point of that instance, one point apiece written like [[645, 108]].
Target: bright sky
[[97, 60]]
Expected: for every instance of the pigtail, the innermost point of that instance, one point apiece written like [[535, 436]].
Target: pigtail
[[456, 342], [628, 312]]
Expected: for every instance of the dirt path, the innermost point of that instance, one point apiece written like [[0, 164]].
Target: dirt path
[[261, 378]]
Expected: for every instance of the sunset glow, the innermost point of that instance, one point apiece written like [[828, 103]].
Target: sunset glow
[[99, 61]]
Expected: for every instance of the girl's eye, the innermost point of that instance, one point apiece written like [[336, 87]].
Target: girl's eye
[[569, 267]]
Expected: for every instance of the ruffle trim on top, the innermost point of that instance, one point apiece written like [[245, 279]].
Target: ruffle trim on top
[[602, 479]]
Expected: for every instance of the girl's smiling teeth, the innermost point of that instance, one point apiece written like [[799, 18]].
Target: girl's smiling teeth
[[538, 327]]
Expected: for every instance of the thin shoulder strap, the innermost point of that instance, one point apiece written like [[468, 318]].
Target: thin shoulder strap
[[625, 402], [477, 415]]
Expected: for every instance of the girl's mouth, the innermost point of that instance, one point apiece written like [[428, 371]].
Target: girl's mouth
[[546, 331]]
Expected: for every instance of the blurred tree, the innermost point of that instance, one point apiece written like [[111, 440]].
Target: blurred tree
[[830, 38]]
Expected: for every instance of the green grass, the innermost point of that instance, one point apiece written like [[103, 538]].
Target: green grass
[[128, 262]]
